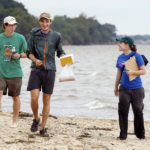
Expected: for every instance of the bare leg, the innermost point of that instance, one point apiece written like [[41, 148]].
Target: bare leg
[[34, 102], [16, 109], [46, 109], [1, 93]]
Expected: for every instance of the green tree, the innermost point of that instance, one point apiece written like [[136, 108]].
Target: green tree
[[80, 30]]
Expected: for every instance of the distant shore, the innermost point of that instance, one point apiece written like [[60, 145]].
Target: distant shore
[[69, 134]]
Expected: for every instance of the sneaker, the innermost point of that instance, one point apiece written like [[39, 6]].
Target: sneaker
[[44, 133], [35, 124]]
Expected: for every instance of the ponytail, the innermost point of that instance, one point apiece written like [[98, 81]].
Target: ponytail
[[133, 48]]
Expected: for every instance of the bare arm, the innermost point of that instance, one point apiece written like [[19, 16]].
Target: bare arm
[[22, 55], [35, 60], [141, 71], [117, 82]]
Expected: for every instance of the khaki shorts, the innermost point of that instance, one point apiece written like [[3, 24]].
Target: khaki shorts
[[12, 84]]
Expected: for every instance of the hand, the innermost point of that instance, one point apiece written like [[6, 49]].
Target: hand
[[38, 62], [16, 56], [130, 72], [116, 92], [62, 55]]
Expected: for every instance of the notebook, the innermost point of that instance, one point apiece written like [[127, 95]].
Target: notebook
[[131, 65]]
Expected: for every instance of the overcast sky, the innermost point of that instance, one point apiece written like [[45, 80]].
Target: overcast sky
[[129, 16]]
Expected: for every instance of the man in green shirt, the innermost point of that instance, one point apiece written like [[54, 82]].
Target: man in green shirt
[[12, 48]]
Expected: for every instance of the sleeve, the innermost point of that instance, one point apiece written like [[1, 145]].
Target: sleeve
[[23, 47], [59, 48], [139, 60], [119, 64], [30, 49]]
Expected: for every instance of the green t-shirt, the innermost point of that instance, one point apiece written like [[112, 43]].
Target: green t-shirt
[[11, 68]]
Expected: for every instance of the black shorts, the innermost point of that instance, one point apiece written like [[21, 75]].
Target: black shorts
[[12, 84], [44, 79]]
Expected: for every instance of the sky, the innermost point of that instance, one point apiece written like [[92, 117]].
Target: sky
[[131, 17]]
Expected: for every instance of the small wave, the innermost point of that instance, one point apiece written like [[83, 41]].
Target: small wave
[[99, 105], [147, 109], [72, 97], [94, 74]]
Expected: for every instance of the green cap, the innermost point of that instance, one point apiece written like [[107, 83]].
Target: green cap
[[126, 39]]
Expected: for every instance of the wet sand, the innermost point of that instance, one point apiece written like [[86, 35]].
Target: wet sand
[[69, 134]]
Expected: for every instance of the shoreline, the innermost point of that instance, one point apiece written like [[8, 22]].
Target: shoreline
[[69, 133]]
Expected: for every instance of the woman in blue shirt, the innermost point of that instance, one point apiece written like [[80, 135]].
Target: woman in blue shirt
[[129, 92]]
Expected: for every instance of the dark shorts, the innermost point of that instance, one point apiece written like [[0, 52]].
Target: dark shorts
[[12, 84], [44, 79]]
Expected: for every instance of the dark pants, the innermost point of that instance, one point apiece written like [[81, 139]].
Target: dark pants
[[135, 98]]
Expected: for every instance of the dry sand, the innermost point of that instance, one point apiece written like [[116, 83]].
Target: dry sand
[[69, 134]]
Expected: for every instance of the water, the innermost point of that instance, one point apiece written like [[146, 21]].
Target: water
[[91, 95]]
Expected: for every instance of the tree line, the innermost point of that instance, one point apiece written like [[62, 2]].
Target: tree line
[[83, 30], [80, 30]]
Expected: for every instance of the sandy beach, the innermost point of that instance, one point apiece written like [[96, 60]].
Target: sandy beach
[[69, 134]]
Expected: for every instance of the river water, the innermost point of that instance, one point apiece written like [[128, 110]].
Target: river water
[[91, 94]]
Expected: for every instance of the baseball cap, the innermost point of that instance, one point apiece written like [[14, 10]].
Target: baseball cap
[[45, 15], [126, 39], [10, 20]]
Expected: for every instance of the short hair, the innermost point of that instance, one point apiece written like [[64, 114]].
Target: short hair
[[5, 24]]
